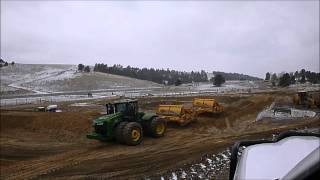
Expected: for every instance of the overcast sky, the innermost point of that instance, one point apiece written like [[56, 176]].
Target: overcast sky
[[246, 37]]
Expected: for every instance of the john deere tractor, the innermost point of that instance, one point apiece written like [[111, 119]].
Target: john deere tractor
[[122, 122]]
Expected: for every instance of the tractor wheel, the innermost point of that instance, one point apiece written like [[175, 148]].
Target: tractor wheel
[[132, 133], [156, 127], [119, 132]]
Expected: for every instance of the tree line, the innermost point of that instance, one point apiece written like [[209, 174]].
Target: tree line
[[161, 76], [5, 63], [286, 79], [83, 68], [235, 76]]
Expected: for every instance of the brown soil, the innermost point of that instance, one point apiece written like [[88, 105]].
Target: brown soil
[[53, 145]]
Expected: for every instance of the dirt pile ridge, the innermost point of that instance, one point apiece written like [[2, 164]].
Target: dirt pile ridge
[[62, 125]]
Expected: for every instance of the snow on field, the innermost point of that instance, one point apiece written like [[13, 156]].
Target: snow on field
[[29, 76], [24, 73], [285, 114], [37, 82], [82, 104], [209, 166], [229, 85], [96, 81], [36, 78], [58, 98]]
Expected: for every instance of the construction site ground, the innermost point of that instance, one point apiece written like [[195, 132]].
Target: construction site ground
[[53, 145]]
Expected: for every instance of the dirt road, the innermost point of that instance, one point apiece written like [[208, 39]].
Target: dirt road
[[53, 145]]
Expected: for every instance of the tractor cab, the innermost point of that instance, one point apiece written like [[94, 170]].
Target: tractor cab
[[129, 108]]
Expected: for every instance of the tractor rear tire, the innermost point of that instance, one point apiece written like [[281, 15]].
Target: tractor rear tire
[[132, 134], [119, 132], [156, 127]]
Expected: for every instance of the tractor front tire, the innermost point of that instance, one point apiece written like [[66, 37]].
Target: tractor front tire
[[132, 134], [156, 127], [119, 132]]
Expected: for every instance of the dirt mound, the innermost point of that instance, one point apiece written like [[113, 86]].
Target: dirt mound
[[63, 125]]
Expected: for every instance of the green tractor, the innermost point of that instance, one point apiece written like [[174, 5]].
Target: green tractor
[[125, 124]]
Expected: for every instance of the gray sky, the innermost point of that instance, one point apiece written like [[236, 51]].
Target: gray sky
[[246, 37]]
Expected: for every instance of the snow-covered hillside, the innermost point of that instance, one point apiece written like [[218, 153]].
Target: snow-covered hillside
[[38, 78]]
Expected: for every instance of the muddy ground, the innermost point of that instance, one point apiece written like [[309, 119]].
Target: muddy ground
[[53, 145]]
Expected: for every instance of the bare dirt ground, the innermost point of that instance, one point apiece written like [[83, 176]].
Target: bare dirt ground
[[53, 145]]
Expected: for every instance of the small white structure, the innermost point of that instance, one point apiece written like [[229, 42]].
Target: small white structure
[[52, 108]]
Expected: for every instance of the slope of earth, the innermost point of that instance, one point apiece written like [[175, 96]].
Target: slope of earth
[[38, 78], [27, 78], [96, 81], [53, 145]]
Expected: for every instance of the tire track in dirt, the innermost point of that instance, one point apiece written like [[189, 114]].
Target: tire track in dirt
[[136, 160], [34, 168], [154, 162]]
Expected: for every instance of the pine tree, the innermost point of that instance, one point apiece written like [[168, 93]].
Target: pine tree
[[267, 76], [218, 80], [274, 79], [80, 67], [284, 80], [87, 69]]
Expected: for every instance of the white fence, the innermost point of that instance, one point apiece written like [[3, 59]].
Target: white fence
[[128, 94]]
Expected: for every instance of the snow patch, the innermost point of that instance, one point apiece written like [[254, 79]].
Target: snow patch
[[289, 113], [81, 104], [174, 176]]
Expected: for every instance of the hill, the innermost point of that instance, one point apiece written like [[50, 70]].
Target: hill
[[22, 79], [47, 78]]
